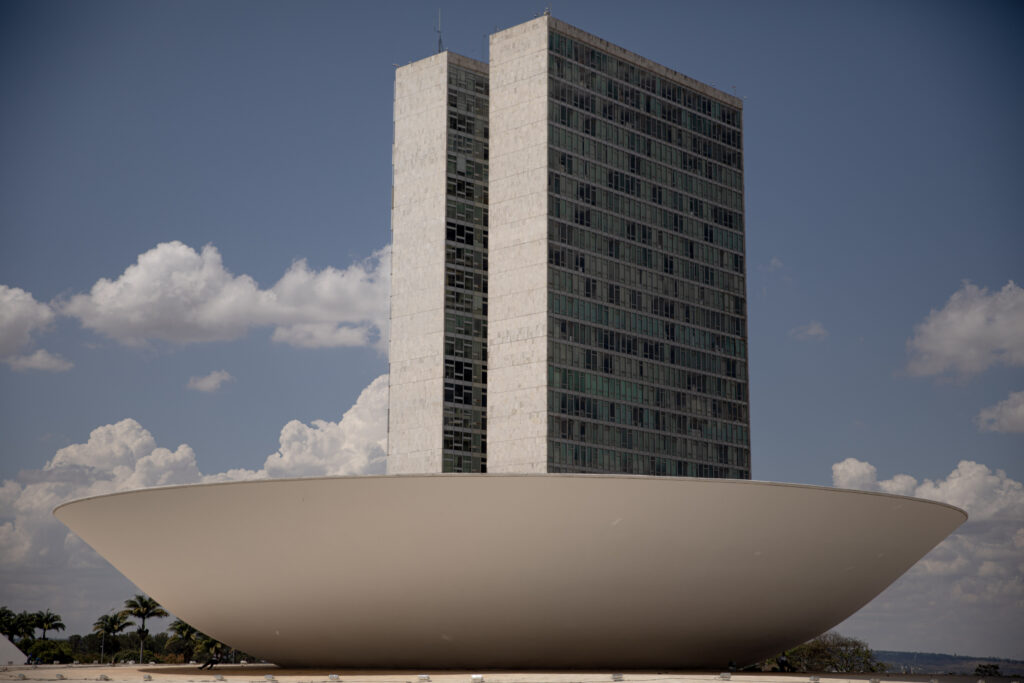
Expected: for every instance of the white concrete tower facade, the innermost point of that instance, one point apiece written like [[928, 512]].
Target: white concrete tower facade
[[569, 285], [517, 413], [437, 345], [617, 316]]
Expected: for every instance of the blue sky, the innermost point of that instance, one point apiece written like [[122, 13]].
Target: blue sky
[[882, 149]]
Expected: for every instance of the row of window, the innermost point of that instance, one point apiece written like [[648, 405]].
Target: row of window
[[618, 270], [465, 394], [469, 213], [461, 165], [468, 103], [646, 393], [661, 377], [634, 231], [692, 206], [468, 80], [465, 370], [655, 153], [459, 278], [631, 364], [462, 301], [459, 347], [634, 321], [467, 189], [585, 194], [585, 216], [646, 298], [672, 306], [458, 462], [629, 108], [622, 267], [570, 457], [468, 146], [603, 459], [640, 142], [613, 199], [465, 417], [646, 418], [666, 375], [470, 125], [637, 177], [465, 325], [470, 235], [641, 78], [599, 435], [457, 254], [467, 442], [682, 334]]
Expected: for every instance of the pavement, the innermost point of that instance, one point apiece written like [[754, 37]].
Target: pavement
[[260, 673]]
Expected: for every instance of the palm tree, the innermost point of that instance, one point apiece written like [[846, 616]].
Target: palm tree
[[48, 621], [109, 625], [7, 617], [184, 636], [25, 625], [143, 607]]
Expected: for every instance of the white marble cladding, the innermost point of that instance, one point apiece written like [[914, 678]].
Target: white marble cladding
[[518, 251], [416, 345]]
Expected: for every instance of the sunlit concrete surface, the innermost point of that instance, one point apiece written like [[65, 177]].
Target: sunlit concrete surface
[[510, 571], [256, 674]]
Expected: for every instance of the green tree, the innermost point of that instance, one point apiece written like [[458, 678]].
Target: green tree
[[48, 621], [7, 617], [987, 670], [108, 626], [143, 607], [47, 651], [832, 652], [25, 626], [207, 647], [184, 639]]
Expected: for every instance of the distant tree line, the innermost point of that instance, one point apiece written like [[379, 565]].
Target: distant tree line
[[828, 653], [112, 639]]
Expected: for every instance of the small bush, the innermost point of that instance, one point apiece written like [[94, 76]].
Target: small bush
[[49, 651]]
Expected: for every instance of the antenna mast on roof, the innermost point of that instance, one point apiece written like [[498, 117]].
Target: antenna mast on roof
[[440, 45]]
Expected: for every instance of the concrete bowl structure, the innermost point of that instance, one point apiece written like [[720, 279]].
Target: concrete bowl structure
[[523, 571]]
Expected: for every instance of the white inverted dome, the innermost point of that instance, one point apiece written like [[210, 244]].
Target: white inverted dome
[[519, 571]]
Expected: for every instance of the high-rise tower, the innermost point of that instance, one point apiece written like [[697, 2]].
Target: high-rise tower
[[438, 340], [616, 307]]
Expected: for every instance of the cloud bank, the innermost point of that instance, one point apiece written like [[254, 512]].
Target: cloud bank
[[21, 316], [175, 294], [968, 593], [975, 330], [42, 563]]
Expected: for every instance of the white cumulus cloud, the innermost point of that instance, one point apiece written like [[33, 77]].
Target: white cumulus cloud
[[174, 293], [970, 588], [812, 331], [209, 383], [20, 317], [1005, 416], [42, 563], [357, 444], [975, 330]]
